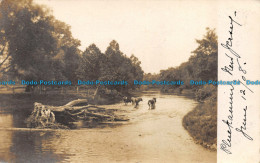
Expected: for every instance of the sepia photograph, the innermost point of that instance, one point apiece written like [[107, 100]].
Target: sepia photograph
[[108, 81]]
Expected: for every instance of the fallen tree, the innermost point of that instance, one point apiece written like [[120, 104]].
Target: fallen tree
[[46, 116]]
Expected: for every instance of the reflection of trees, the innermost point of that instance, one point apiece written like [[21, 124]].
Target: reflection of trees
[[89, 145], [77, 146], [27, 146], [58, 146], [6, 121]]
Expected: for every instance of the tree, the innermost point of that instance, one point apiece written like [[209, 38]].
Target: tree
[[29, 35], [205, 58], [35, 45], [202, 65], [90, 66], [137, 71], [113, 65], [67, 47], [119, 67]]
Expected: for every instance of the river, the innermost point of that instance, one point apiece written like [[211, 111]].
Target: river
[[150, 136]]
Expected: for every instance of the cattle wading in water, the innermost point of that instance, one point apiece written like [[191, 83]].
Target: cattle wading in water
[[151, 103], [136, 101], [127, 100]]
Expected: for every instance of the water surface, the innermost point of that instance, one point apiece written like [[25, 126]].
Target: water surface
[[150, 136]]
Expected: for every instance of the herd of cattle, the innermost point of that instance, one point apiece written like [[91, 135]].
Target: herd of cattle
[[151, 103]]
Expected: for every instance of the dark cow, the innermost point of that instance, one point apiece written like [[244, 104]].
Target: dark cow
[[151, 103], [136, 101], [127, 100]]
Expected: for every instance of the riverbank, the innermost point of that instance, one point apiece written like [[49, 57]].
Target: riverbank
[[201, 122]]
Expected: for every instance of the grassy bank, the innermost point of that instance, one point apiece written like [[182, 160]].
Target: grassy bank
[[201, 122]]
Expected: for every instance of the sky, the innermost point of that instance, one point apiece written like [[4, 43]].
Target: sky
[[160, 33]]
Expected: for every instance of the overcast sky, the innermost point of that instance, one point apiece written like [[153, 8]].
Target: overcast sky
[[160, 33]]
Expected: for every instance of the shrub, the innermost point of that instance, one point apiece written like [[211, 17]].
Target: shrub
[[201, 122], [205, 92]]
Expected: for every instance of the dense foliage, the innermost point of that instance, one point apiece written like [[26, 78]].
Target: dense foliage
[[36, 46], [201, 122], [202, 65], [112, 65]]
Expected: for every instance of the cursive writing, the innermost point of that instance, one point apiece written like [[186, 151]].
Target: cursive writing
[[225, 145], [243, 127], [233, 55]]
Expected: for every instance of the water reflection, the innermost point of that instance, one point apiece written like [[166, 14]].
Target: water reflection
[[6, 120]]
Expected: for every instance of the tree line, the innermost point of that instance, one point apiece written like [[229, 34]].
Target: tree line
[[202, 65], [34, 45]]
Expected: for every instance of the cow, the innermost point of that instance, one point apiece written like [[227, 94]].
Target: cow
[[136, 101], [127, 100], [151, 103]]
